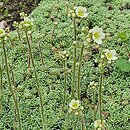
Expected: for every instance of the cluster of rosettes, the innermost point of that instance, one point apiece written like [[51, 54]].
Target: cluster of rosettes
[[2, 35], [75, 107], [99, 125]]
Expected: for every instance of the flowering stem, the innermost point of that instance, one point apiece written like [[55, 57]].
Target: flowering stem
[[82, 122], [29, 63], [100, 95], [30, 37], [94, 113], [18, 34], [74, 66], [37, 83], [1, 88], [76, 122], [12, 75], [65, 127], [41, 55], [74, 69], [79, 70], [74, 3], [65, 82], [11, 89], [67, 7]]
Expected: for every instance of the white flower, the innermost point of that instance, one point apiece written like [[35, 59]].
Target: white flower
[[81, 11], [74, 104], [110, 54], [97, 34]]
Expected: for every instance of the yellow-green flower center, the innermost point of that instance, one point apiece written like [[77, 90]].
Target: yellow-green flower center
[[109, 55], [1, 31], [96, 35], [75, 105], [80, 13]]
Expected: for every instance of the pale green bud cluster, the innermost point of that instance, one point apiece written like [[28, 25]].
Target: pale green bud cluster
[[64, 54], [3, 36], [22, 15], [25, 25], [15, 24]]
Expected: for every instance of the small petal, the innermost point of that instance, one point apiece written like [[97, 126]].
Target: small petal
[[81, 11], [98, 41], [97, 34]]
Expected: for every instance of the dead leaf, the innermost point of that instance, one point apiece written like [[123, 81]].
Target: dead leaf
[[2, 24], [1, 4]]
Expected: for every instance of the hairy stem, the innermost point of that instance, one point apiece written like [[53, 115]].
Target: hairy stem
[[67, 7], [100, 96], [18, 34], [82, 122], [94, 112], [65, 127], [41, 55], [74, 64], [38, 85], [29, 63], [11, 89], [76, 123], [79, 70], [12, 75], [1, 87]]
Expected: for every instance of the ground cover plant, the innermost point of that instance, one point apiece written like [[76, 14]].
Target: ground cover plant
[[67, 67]]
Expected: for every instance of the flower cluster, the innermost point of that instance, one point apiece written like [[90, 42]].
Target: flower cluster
[[26, 25], [99, 125], [81, 12], [15, 24], [2, 35], [22, 15], [64, 54], [75, 106]]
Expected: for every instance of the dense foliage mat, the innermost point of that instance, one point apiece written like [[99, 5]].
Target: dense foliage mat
[[53, 29]]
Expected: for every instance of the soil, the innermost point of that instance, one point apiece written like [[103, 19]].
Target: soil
[[10, 9]]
